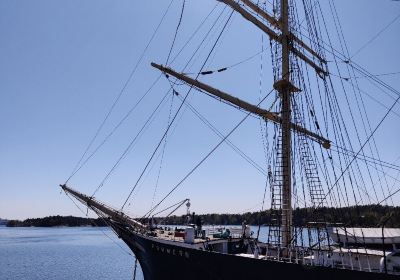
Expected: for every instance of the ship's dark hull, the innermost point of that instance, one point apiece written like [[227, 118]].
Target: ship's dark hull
[[160, 260]]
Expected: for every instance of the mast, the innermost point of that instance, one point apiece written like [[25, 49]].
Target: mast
[[284, 92], [285, 88]]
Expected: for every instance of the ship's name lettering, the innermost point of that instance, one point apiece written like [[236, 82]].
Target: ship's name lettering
[[169, 251]]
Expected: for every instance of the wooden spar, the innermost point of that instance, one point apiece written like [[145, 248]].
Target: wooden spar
[[276, 24], [306, 47], [267, 115], [271, 33], [98, 206], [262, 13], [274, 36], [231, 99]]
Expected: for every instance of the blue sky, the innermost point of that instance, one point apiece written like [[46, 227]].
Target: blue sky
[[62, 63]]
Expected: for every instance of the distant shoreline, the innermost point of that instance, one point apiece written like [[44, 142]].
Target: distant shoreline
[[361, 216], [58, 221]]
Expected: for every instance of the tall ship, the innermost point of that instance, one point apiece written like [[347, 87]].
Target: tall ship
[[312, 171]]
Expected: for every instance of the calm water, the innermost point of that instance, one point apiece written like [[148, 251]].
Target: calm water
[[67, 253], [63, 253]]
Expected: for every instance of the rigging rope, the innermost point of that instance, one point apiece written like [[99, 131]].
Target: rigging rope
[[176, 114], [74, 170], [128, 148], [124, 118], [176, 31], [328, 51], [140, 100], [366, 141], [180, 203], [104, 220], [328, 47], [344, 49], [337, 54], [367, 129], [172, 99], [365, 76], [376, 36], [135, 267], [187, 42], [220, 135], [367, 158], [163, 152], [208, 155], [222, 69]]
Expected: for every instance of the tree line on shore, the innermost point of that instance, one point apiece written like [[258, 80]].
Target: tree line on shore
[[360, 216], [53, 221]]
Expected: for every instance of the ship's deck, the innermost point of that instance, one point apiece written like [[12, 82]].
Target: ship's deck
[[210, 235], [345, 258]]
